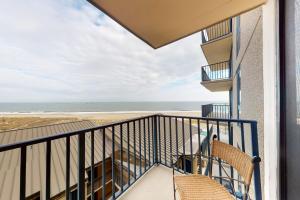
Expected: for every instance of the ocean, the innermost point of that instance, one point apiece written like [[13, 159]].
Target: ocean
[[100, 107]]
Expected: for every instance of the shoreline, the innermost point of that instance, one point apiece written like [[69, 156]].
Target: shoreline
[[9, 121], [97, 112]]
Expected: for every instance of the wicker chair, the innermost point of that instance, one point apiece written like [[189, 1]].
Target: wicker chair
[[201, 187]]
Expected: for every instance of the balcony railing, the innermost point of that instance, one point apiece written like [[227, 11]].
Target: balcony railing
[[216, 111], [217, 71], [216, 31], [136, 145]]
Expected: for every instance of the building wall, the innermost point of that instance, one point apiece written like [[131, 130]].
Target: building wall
[[250, 63], [271, 99]]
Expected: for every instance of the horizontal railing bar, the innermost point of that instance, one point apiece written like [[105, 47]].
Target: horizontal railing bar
[[216, 71], [217, 104], [179, 170], [64, 135], [37, 140], [41, 126], [217, 63], [216, 110], [216, 38], [217, 31], [210, 119]]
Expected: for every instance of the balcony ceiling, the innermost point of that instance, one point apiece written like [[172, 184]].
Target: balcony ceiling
[[218, 85], [218, 50], [160, 22]]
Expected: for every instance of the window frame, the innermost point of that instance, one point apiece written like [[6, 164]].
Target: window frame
[[238, 93], [238, 35]]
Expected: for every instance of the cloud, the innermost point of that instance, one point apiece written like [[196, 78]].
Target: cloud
[[55, 50]]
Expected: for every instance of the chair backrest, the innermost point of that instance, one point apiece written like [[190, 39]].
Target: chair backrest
[[239, 160]]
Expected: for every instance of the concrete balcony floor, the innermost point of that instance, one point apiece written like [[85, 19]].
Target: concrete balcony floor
[[156, 184]]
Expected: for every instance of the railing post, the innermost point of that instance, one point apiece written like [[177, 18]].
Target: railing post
[[230, 103], [229, 65], [104, 165], [23, 173], [230, 140], [113, 163], [48, 170], [81, 166], [92, 164], [67, 191], [255, 152], [203, 37], [155, 139], [155, 148]]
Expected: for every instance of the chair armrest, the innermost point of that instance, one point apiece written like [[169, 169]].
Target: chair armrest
[[232, 179]]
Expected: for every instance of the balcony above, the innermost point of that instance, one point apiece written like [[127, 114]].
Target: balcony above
[[159, 23], [217, 77], [217, 42], [216, 111]]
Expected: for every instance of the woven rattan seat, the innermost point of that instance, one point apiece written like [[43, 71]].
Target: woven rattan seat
[[198, 187]]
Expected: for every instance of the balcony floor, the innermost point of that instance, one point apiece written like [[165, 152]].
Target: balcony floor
[[156, 184]]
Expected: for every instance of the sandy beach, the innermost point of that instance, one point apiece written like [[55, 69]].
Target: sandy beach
[[10, 121]]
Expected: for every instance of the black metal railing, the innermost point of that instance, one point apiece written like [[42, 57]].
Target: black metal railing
[[216, 31], [216, 110], [134, 146], [216, 71]]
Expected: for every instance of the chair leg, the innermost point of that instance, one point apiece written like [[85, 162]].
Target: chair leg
[[246, 194], [174, 190]]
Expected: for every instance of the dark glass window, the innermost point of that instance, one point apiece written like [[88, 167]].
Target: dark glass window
[[239, 93], [188, 165], [292, 97], [238, 34], [35, 196], [73, 195], [89, 172]]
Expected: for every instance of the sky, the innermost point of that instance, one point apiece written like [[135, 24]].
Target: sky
[[68, 51]]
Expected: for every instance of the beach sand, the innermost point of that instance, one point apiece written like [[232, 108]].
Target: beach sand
[[28, 120]]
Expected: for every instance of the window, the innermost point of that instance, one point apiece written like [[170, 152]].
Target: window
[[238, 34], [35, 196], [187, 163], [89, 172], [290, 95], [230, 104], [73, 195], [239, 93]]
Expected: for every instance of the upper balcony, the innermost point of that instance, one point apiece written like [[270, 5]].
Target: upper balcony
[[216, 111], [217, 77], [217, 42], [130, 159]]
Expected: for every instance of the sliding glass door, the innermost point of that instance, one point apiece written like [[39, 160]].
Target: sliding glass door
[[290, 91]]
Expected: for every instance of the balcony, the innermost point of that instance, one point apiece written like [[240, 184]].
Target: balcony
[[217, 77], [130, 159], [216, 111], [217, 42]]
